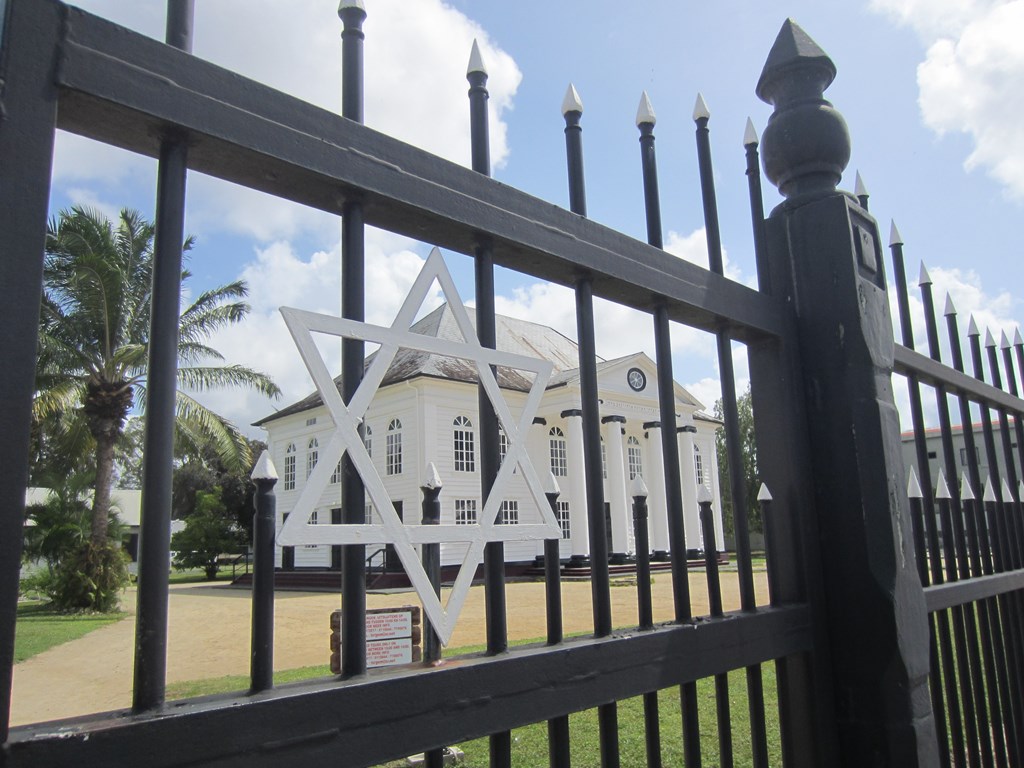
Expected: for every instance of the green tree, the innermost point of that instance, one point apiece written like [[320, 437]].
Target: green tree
[[206, 473], [748, 448], [209, 531], [93, 349]]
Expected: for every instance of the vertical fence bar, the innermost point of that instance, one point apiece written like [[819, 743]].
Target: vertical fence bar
[[572, 111], [494, 551], [558, 727], [734, 448], [645, 120], [916, 497], [264, 519], [431, 557], [955, 558], [723, 716], [161, 400], [750, 142], [353, 307], [645, 612], [28, 40], [988, 612]]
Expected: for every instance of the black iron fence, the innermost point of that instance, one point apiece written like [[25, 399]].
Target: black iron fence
[[848, 629], [968, 529]]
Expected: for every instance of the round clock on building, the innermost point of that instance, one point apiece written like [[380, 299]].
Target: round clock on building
[[636, 378]]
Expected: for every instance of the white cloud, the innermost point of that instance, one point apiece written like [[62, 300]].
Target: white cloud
[[972, 78], [279, 277], [694, 249], [416, 53]]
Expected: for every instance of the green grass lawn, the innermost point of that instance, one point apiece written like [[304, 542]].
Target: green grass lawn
[[40, 628]]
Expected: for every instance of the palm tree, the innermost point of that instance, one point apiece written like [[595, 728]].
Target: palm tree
[[93, 346]]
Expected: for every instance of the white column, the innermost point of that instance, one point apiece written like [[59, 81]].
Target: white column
[[576, 486], [657, 504], [691, 512], [618, 483], [716, 493]]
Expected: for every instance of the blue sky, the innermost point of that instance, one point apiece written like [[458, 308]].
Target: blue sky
[[933, 92]]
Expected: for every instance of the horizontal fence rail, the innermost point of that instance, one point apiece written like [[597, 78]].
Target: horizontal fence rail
[[252, 135], [467, 698]]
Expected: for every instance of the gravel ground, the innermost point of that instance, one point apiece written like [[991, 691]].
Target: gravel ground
[[209, 636]]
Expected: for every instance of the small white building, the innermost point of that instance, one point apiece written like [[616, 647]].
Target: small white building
[[426, 411]]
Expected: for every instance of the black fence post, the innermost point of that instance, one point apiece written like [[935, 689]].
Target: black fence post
[[827, 247], [261, 667]]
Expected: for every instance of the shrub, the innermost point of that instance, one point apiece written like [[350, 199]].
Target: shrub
[[92, 578]]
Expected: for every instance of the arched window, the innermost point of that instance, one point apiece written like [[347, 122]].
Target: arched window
[[636, 465], [393, 457], [556, 444], [698, 465], [312, 455], [502, 445], [368, 440], [289, 467], [463, 440]]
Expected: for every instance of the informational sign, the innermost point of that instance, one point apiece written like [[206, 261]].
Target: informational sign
[[393, 636]]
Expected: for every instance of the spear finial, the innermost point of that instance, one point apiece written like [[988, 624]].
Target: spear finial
[[700, 109], [638, 488], [990, 340], [476, 61], [990, 492], [1007, 493], [950, 309], [972, 328], [551, 486], [572, 102], [941, 489], [645, 112], [264, 469], [763, 494], [433, 477], [894, 234], [750, 137], [703, 494], [966, 492], [924, 278], [1004, 340], [1017, 338], [913, 485]]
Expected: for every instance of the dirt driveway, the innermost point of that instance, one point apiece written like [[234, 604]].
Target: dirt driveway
[[209, 637]]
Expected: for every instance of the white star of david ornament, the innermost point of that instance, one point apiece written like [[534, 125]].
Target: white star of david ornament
[[297, 529]]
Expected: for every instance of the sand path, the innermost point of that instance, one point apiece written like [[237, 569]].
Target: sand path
[[209, 637]]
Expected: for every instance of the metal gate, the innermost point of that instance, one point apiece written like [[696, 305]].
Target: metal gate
[[847, 629]]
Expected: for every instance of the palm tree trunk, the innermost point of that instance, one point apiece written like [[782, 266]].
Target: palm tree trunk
[[104, 480]]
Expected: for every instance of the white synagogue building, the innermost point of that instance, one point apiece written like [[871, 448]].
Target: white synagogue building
[[426, 411]]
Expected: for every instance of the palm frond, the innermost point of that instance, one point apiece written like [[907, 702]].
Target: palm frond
[[199, 425], [203, 378]]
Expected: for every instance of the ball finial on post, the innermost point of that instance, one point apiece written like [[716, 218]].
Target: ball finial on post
[[806, 144]]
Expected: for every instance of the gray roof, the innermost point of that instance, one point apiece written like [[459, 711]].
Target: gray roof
[[516, 336]]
